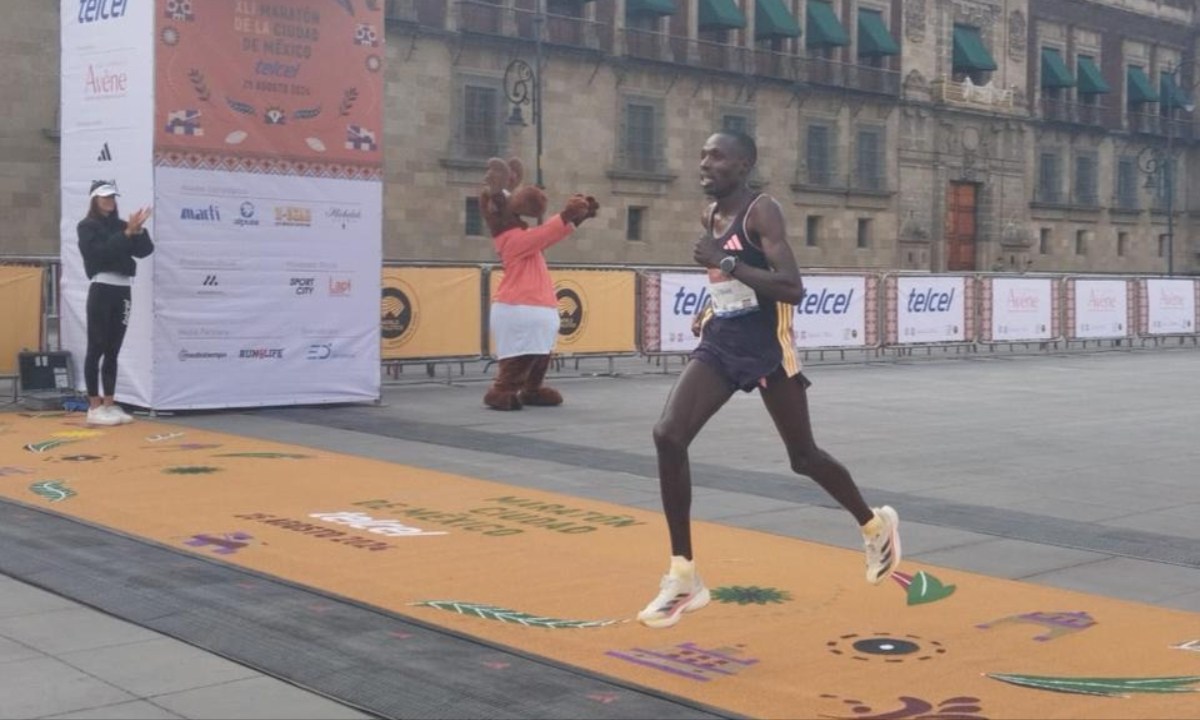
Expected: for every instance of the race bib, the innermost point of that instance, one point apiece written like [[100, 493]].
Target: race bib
[[730, 297]]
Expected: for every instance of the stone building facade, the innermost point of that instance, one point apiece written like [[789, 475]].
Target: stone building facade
[[917, 134]]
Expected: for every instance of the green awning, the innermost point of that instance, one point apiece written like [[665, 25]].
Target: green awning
[[720, 15], [1170, 92], [873, 35], [969, 51], [1054, 71], [1140, 90], [824, 30], [652, 8], [1091, 81], [772, 19]]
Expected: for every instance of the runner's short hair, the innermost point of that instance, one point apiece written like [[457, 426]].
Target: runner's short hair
[[745, 144]]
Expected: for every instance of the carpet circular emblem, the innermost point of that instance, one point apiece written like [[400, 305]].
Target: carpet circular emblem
[[884, 647]]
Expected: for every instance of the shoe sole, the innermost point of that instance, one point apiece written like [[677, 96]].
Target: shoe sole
[[700, 600], [895, 540]]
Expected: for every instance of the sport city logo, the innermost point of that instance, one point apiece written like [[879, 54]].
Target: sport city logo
[[91, 11], [303, 285], [246, 215], [399, 316]]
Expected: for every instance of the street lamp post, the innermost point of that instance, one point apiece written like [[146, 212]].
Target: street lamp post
[[1159, 163], [523, 85]]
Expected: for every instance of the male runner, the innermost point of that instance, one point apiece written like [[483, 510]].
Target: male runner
[[746, 343]]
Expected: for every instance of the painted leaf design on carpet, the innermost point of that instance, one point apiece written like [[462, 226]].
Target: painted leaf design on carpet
[[52, 490], [191, 470], [923, 587], [266, 455], [1111, 687], [505, 615], [750, 595]]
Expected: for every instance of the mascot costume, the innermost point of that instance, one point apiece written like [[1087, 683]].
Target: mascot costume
[[524, 315]]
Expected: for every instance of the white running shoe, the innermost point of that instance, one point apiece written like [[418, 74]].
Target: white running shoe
[[99, 416], [680, 591], [119, 413], [883, 546]]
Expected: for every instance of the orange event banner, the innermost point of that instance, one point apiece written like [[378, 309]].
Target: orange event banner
[[596, 309], [21, 298], [257, 79], [431, 312]]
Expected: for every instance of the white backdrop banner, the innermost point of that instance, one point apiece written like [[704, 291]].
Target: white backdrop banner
[[1022, 309], [1101, 309], [833, 312], [1170, 306], [106, 111], [268, 289], [931, 309], [681, 295]]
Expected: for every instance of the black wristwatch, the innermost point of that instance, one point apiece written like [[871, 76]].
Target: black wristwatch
[[728, 263]]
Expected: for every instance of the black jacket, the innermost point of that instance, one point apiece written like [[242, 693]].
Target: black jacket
[[106, 248]]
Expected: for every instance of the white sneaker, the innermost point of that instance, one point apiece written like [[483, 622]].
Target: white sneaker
[[119, 413], [99, 416], [883, 546], [680, 591]]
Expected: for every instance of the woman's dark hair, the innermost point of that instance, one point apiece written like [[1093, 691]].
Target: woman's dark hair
[[95, 213]]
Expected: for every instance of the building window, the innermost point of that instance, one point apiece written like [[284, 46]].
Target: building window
[[480, 120], [864, 233], [869, 159], [634, 218], [1044, 241], [737, 122], [474, 221], [1122, 244], [1162, 245], [812, 230], [1085, 181], [641, 136], [1049, 187], [819, 155], [1127, 191], [1081, 242]]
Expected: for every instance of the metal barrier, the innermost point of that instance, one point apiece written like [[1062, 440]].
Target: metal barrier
[[436, 314]]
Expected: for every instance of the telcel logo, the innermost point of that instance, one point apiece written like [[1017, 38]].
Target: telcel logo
[[688, 303], [93, 10], [825, 303], [929, 301]]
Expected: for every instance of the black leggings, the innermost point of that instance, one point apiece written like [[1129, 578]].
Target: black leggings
[[107, 318]]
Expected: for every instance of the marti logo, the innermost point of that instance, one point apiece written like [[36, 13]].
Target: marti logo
[[929, 300], [212, 213], [825, 303], [91, 11]]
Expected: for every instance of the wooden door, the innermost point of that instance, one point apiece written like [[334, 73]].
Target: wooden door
[[960, 227]]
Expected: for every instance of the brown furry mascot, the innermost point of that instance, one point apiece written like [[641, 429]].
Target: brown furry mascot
[[524, 316]]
